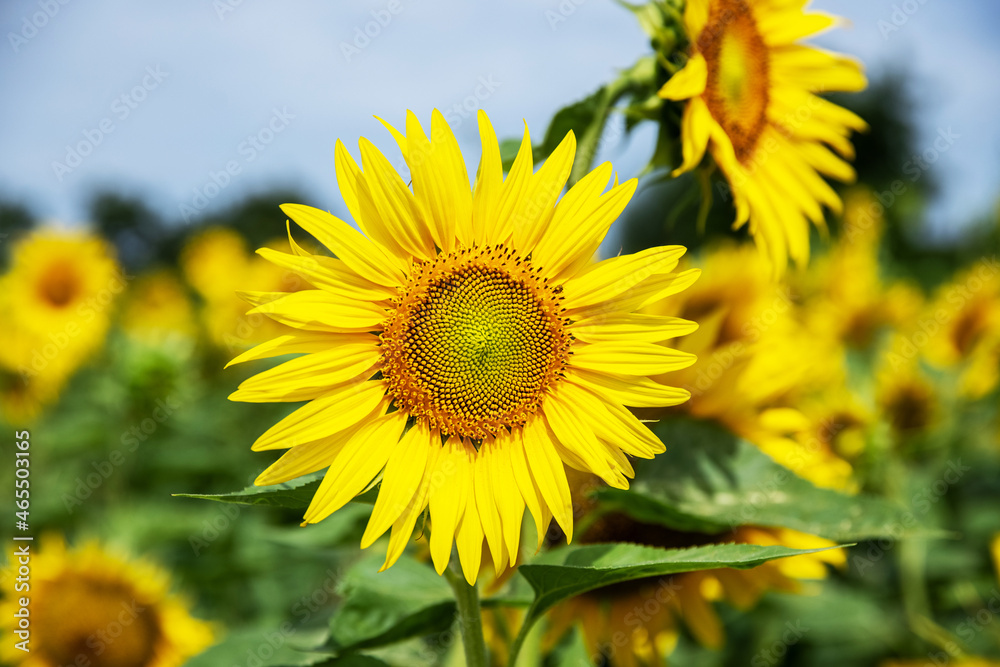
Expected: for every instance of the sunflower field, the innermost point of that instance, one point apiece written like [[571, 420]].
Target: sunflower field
[[498, 399]]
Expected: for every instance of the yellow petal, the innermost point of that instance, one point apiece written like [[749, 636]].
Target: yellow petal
[[610, 278], [396, 206], [401, 480], [631, 358], [636, 392], [508, 499], [688, 82], [448, 498], [297, 343], [619, 327], [329, 274], [360, 253], [548, 473], [580, 440], [489, 181], [403, 527], [355, 465], [469, 537], [489, 517], [526, 486], [318, 310], [531, 218], [323, 416], [304, 378]]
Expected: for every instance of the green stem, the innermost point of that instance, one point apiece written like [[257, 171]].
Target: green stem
[[469, 617], [522, 634]]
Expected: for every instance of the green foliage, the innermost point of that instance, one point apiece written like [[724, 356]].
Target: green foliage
[[710, 481]]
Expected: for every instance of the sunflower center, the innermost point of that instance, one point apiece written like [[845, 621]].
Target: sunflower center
[[59, 285], [99, 621], [910, 409], [475, 341], [737, 88]]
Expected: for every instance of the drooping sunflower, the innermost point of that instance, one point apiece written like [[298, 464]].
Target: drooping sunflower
[[464, 346], [91, 606], [751, 91]]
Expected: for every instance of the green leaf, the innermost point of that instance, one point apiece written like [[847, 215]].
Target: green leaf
[[710, 481], [564, 573], [266, 647], [380, 608], [296, 494]]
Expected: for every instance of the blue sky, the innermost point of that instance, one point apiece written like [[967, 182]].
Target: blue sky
[[171, 95]]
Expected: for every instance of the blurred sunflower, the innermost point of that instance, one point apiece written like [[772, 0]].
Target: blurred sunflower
[[619, 623], [217, 263], [157, 308], [907, 399], [857, 309], [91, 606], [755, 363], [59, 293], [750, 90], [964, 323], [464, 346]]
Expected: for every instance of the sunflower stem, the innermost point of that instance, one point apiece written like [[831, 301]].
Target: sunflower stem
[[469, 617]]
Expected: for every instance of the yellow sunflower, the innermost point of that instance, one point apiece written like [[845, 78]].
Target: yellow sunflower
[[638, 622], [91, 606], [217, 263], [961, 328], [59, 294], [752, 103], [843, 292], [158, 308], [464, 345], [756, 365], [907, 398]]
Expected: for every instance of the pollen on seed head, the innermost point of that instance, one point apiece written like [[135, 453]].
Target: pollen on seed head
[[475, 342]]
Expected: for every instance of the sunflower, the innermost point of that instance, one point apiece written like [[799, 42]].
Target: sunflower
[[91, 606], [752, 103], [639, 622], [756, 365], [907, 398], [216, 264], [464, 346], [962, 329], [59, 294], [844, 293], [158, 308]]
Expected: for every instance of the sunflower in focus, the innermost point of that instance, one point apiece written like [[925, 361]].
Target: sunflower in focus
[[464, 346], [639, 622], [90, 606], [752, 102]]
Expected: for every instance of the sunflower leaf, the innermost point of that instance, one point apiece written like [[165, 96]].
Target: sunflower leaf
[[716, 482], [567, 572], [296, 494], [380, 608]]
